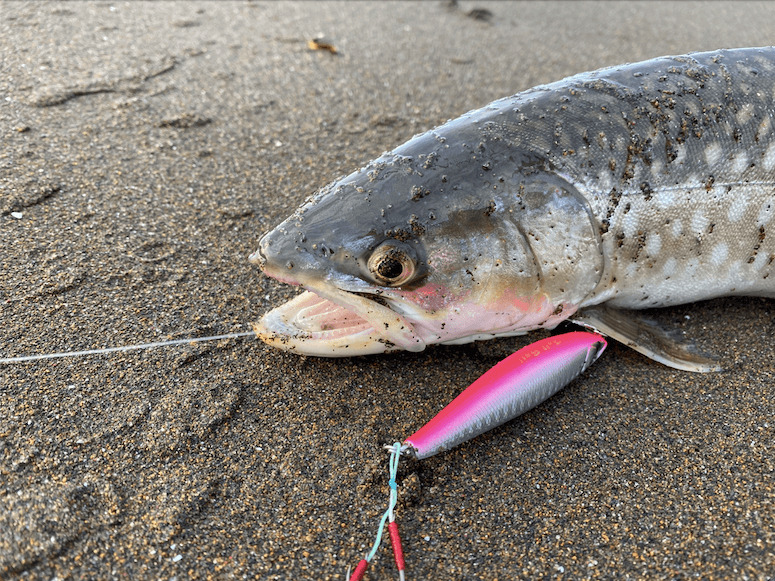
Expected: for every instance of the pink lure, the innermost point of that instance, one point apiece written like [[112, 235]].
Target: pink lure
[[515, 385]]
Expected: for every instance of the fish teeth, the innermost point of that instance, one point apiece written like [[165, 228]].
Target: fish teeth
[[326, 316]]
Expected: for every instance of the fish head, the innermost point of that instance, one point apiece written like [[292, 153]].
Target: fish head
[[424, 245]]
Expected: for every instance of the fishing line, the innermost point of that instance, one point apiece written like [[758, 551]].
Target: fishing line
[[125, 347]]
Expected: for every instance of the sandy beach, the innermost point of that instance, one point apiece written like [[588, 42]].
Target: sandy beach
[[145, 149]]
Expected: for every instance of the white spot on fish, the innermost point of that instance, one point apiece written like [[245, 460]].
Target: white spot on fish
[[764, 127], [740, 162], [664, 199], [713, 153], [631, 223], [692, 109], [765, 213], [631, 272], [733, 273], [656, 168], [745, 113], [604, 182], [737, 208], [669, 268], [719, 254], [695, 181], [678, 228], [653, 244], [680, 153], [769, 157], [700, 222], [761, 260], [690, 267]]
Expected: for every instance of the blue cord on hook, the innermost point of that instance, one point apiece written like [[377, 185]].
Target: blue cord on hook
[[389, 515], [395, 455]]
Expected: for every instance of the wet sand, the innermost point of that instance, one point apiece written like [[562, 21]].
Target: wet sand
[[145, 148]]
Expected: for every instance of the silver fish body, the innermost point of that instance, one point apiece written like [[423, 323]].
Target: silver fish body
[[638, 186]]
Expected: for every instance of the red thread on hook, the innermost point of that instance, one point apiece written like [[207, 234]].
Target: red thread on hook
[[360, 570]]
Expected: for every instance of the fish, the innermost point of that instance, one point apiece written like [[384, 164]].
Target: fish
[[585, 200]]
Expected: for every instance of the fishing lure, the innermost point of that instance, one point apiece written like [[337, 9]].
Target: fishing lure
[[515, 385]]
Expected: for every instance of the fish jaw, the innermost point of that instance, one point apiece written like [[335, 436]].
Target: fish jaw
[[312, 325], [325, 321]]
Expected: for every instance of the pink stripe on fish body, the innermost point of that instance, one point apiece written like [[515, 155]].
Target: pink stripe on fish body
[[518, 383]]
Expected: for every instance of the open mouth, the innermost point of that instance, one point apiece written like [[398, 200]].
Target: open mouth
[[327, 322]]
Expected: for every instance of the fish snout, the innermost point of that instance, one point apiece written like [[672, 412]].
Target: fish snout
[[281, 256], [259, 256], [281, 247]]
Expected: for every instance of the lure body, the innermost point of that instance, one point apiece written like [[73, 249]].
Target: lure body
[[515, 385]]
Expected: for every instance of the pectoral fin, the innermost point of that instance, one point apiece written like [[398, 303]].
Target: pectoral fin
[[646, 337]]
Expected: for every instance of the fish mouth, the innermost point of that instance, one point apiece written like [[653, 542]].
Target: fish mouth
[[326, 321]]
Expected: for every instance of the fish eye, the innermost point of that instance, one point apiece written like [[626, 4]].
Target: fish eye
[[390, 265]]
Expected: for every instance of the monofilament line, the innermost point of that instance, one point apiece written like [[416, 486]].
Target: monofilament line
[[124, 348]]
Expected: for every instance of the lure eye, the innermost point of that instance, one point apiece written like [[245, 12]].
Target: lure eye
[[390, 265]]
